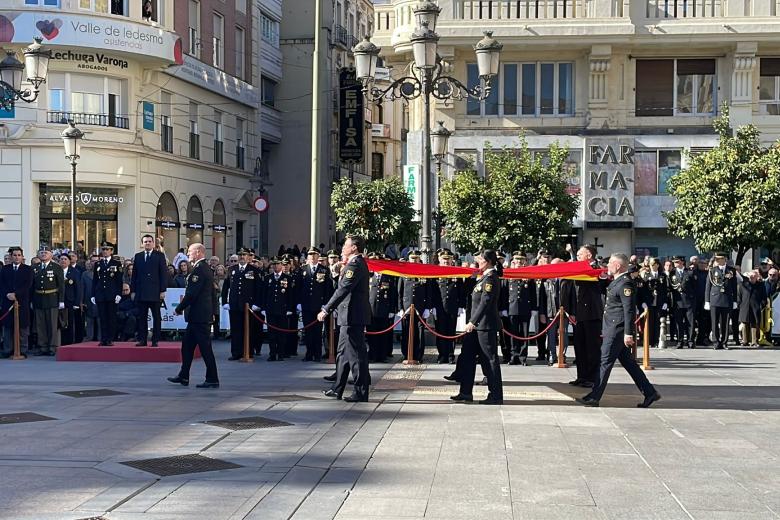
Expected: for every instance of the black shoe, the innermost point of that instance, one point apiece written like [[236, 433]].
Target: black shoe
[[514, 361], [179, 380], [491, 400], [234, 358], [206, 384], [576, 382], [140, 344], [154, 344], [586, 384], [451, 377], [587, 401], [355, 398], [330, 379], [482, 383], [649, 400], [331, 393], [462, 398], [101, 344]]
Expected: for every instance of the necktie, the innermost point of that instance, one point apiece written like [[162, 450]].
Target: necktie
[[16, 267], [147, 256]]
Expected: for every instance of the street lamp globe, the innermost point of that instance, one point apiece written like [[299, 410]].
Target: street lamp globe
[[36, 61], [366, 55], [427, 12], [439, 137], [424, 47], [11, 71], [488, 50], [71, 138]]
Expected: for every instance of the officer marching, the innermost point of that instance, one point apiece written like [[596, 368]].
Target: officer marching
[[107, 292], [48, 299], [316, 288], [243, 285]]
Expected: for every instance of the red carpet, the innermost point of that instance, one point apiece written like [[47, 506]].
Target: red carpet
[[123, 352]]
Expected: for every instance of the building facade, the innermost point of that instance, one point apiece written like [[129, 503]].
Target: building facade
[[167, 105], [631, 87]]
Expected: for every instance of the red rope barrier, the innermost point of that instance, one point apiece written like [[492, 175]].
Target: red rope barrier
[[279, 329], [433, 331], [4, 316], [388, 329], [550, 324]]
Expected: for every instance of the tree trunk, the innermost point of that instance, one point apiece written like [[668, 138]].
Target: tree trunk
[[741, 250]]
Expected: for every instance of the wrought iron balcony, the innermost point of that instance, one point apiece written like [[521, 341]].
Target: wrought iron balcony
[[81, 118], [340, 36]]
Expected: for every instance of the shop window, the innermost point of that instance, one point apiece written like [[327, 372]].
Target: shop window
[[769, 87], [167, 224], [194, 221], [675, 87], [47, 3], [218, 230], [97, 210], [653, 169], [87, 99]]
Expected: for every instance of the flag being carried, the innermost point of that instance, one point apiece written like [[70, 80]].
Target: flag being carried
[[566, 270]]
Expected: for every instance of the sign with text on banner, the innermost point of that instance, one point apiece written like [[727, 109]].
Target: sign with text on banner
[[411, 180], [351, 117]]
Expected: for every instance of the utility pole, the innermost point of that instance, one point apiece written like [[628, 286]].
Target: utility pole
[[318, 90]]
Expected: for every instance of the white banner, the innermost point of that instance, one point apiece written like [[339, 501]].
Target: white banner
[[171, 321]]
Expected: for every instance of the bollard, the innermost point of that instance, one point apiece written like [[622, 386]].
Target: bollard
[[331, 340], [662, 333], [246, 358], [17, 343], [561, 336], [646, 344], [410, 337]]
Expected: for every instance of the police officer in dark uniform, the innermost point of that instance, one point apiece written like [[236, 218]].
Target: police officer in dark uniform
[[333, 265], [277, 306], [197, 305], [291, 338], [415, 291], [521, 301], [107, 292], [682, 284], [653, 298], [243, 286], [618, 335], [73, 297], [383, 298], [720, 298], [48, 299], [316, 288], [481, 342], [447, 294], [354, 314]]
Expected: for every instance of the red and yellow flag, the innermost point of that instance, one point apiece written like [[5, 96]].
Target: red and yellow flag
[[410, 270], [568, 270]]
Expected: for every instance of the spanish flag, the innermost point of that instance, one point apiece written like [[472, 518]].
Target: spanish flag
[[567, 270]]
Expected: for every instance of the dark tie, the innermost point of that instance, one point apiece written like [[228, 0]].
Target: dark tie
[[147, 256]]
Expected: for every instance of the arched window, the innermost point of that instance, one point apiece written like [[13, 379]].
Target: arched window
[[218, 231], [194, 221], [167, 224]]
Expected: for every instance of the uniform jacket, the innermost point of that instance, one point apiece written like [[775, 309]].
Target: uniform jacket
[[683, 288], [484, 302], [20, 283], [73, 288], [619, 308], [351, 296], [521, 297], [244, 287], [107, 280], [48, 286], [752, 299], [654, 291], [447, 294], [415, 291], [87, 280], [721, 288], [150, 277], [383, 295], [278, 296], [589, 303], [316, 288], [197, 303]]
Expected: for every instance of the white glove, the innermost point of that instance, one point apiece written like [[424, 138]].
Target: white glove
[[706, 306], [664, 307], [76, 307], [289, 313], [426, 314], [734, 305], [61, 306], [298, 307], [93, 301], [644, 306], [504, 314], [433, 311], [461, 312], [255, 308], [226, 306], [391, 316], [117, 299]]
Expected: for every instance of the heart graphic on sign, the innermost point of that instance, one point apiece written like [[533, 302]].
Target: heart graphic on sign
[[86, 198], [49, 28]]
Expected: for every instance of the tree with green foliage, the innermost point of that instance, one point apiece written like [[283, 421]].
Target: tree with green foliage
[[729, 197], [381, 211], [522, 202]]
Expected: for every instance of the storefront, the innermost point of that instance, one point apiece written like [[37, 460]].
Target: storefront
[[194, 221], [167, 224], [97, 212]]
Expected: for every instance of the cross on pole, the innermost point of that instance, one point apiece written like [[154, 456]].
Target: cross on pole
[[596, 243]]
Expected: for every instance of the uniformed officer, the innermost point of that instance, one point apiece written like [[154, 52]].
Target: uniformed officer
[[415, 291], [448, 301], [73, 297], [683, 283], [383, 298], [653, 298], [107, 292], [197, 305], [290, 267], [481, 340], [521, 301], [316, 288], [277, 306], [333, 264], [354, 314], [243, 286], [48, 299], [720, 298], [618, 329]]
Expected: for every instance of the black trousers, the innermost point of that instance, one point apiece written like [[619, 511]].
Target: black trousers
[[352, 356], [417, 335], [291, 338], [276, 339], [78, 317], [445, 324], [684, 322], [655, 325], [613, 349], [312, 336], [198, 335], [107, 320], [378, 348], [504, 341], [255, 336], [143, 324], [587, 348], [237, 333], [68, 332], [481, 346], [518, 325], [720, 324], [703, 325]]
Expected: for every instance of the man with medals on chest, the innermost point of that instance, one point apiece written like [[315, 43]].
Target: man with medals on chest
[[48, 299], [383, 298], [720, 298], [277, 306], [107, 292], [447, 302], [316, 288], [73, 296], [683, 283], [521, 301], [290, 267], [653, 298], [414, 291], [243, 286]]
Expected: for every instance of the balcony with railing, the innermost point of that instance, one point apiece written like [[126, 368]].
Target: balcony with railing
[[341, 36], [82, 118]]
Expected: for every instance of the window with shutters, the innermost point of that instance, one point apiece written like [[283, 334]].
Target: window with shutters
[[675, 87], [769, 87]]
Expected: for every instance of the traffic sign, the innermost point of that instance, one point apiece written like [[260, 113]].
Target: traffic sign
[[261, 204]]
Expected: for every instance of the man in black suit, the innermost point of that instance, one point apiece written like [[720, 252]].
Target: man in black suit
[[16, 280], [197, 305], [106, 293], [350, 300], [73, 297], [315, 290], [148, 285]]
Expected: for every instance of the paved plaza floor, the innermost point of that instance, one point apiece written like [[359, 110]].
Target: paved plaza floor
[[710, 449]]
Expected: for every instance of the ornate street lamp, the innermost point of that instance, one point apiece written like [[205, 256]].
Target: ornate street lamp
[[71, 139], [427, 12], [12, 72], [439, 137]]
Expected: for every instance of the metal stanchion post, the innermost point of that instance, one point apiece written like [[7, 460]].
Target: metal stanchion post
[[561, 337], [410, 343], [17, 343], [246, 358], [646, 344], [331, 339]]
